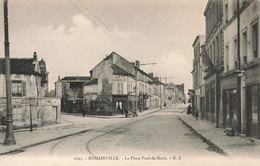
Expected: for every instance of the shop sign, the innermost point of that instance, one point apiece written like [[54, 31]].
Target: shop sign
[[119, 78]]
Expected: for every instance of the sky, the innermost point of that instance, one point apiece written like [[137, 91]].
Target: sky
[[73, 36]]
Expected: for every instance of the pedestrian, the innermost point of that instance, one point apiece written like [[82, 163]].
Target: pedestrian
[[197, 115], [126, 113], [189, 110], [84, 111]]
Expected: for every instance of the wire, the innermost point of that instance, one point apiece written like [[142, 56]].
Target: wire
[[102, 23], [116, 38]]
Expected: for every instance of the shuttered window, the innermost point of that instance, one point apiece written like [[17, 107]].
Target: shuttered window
[[24, 88], [16, 88]]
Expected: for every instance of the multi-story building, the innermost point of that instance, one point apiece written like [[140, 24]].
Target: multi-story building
[[231, 57], [117, 85], [70, 90], [198, 75], [214, 51], [113, 86], [240, 81], [29, 87], [144, 82]]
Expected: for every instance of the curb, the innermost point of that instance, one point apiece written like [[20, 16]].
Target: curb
[[43, 142], [211, 145], [60, 137], [111, 117]]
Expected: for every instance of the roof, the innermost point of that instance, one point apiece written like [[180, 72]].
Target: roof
[[207, 7], [51, 93], [144, 72], [119, 71], [74, 78], [92, 82], [197, 38], [19, 66]]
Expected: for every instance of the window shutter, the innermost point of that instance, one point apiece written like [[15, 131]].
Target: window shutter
[[24, 88]]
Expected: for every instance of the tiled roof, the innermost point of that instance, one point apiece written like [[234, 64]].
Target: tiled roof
[[119, 71], [19, 66], [92, 82], [81, 78]]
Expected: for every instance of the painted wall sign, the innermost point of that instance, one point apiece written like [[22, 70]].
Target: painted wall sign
[[119, 78]]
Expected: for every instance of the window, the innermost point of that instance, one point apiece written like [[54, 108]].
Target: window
[[120, 88], [255, 39], [244, 38], [227, 57], [213, 53], [18, 88], [226, 12], [217, 51], [254, 103], [234, 6], [235, 53]]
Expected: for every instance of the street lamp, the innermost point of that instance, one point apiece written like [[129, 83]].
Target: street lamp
[[9, 138]]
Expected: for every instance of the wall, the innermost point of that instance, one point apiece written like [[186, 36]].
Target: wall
[[249, 15], [88, 89], [119, 79], [44, 111], [31, 88]]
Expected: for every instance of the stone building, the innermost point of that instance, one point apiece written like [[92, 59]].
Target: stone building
[[198, 75], [70, 90], [214, 51], [29, 86], [117, 85], [231, 56], [112, 88], [240, 81]]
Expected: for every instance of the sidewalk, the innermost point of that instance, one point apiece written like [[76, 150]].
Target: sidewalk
[[70, 125], [233, 146]]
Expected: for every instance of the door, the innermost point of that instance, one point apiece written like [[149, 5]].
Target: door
[[253, 111]]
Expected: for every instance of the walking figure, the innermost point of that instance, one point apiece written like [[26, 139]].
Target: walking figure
[[197, 115]]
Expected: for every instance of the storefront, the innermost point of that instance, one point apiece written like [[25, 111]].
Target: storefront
[[119, 103], [252, 81], [229, 102], [210, 101]]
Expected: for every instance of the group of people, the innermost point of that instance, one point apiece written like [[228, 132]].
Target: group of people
[[195, 113]]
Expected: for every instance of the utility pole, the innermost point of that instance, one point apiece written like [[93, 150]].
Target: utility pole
[[238, 67], [136, 91], [9, 138], [160, 93]]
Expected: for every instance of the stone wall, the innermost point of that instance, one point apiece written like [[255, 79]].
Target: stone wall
[[43, 111]]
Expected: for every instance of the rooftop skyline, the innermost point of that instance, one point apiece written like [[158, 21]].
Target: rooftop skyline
[[72, 36]]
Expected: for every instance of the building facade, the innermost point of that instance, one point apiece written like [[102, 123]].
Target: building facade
[[214, 53], [118, 85], [29, 86], [231, 55], [241, 74], [198, 74], [70, 90]]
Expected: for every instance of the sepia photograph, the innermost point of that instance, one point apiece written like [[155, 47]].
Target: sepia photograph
[[129, 82]]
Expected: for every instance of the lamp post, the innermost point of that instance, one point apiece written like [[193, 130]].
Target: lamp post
[[9, 138]]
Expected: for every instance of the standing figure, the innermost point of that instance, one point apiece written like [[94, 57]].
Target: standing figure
[[189, 109]]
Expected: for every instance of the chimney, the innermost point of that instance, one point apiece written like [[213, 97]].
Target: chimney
[[202, 47], [58, 78], [137, 63], [151, 74], [34, 57]]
